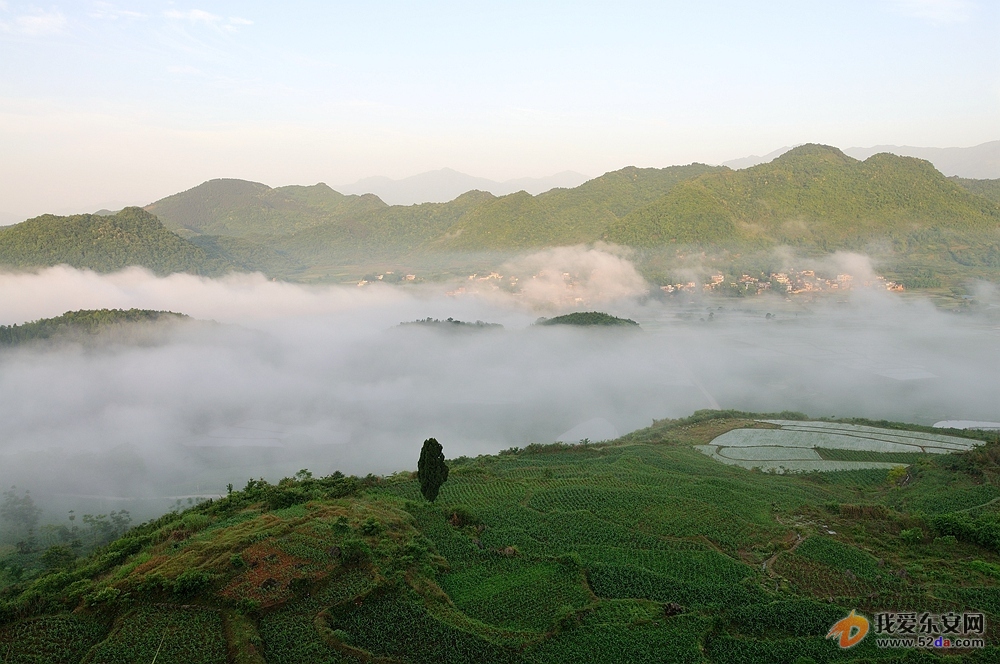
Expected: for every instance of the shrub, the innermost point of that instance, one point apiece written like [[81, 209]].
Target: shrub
[[355, 551], [102, 596], [371, 527], [248, 606], [58, 557], [191, 581], [195, 522], [460, 516]]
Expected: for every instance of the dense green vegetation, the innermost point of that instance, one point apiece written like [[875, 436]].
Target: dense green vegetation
[[922, 228], [986, 188], [83, 322], [103, 243], [307, 226], [240, 208], [811, 195], [588, 318], [563, 216], [641, 549]]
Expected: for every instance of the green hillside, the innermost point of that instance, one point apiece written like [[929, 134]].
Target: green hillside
[[241, 208], [813, 195], [986, 188], [304, 226], [83, 322], [103, 243], [563, 216], [921, 227], [389, 232], [639, 550]]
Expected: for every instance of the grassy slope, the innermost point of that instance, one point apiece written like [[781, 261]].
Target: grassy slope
[[639, 550], [813, 195], [103, 243]]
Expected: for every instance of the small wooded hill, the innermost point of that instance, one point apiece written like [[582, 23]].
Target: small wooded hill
[[811, 195], [589, 319], [639, 550], [73, 324], [103, 243]]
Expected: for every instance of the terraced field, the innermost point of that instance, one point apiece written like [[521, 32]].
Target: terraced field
[[793, 446], [641, 550]]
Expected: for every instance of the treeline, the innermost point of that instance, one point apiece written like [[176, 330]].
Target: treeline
[[451, 323]]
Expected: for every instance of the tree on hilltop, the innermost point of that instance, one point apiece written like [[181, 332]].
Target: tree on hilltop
[[432, 471]]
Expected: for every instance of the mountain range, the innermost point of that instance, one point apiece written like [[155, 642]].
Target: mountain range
[[443, 185], [813, 197], [978, 162]]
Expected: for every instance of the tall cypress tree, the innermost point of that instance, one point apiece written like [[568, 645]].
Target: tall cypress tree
[[432, 471]]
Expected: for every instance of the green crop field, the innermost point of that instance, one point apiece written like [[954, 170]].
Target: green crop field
[[642, 549]]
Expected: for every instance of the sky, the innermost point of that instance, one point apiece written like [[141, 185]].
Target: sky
[[104, 104]]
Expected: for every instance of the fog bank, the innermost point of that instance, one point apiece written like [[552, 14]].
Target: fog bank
[[322, 377]]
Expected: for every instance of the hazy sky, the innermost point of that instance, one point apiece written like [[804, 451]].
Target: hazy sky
[[104, 104]]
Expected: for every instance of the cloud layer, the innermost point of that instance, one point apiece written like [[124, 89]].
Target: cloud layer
[[322, 377]]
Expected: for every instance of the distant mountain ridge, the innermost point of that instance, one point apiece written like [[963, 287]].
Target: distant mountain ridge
[[977, 162], [446, 184], [813, 197]]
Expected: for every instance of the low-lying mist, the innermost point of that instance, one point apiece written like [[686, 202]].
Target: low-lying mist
[[323, 378]]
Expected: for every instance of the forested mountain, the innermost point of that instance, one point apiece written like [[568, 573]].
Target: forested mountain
[[103, 243], [564, 216], [306, 221], [447, 184], [239, 208], [986, 188], [80, 323], [812, 195]]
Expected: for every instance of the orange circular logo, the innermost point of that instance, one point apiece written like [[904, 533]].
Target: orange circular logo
[[851, 630]]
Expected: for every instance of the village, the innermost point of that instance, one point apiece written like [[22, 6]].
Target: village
[[790, 283]]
